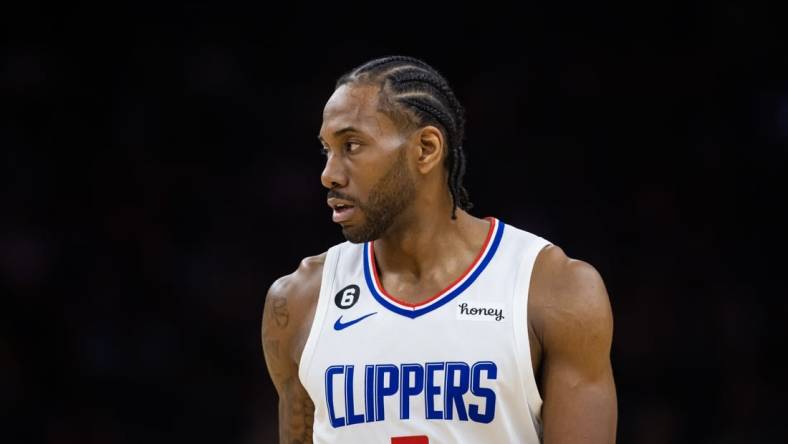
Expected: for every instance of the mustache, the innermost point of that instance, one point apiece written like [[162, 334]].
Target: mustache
[[337, 195]]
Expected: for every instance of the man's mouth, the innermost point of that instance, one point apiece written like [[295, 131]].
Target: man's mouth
[[343, 210], [343, 213]]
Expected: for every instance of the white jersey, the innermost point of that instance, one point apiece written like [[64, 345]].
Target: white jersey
[[455, 368]]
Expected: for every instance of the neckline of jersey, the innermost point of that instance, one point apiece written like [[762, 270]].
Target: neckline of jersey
[[451, 291]]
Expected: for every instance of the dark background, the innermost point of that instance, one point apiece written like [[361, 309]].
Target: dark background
[[160, 168]]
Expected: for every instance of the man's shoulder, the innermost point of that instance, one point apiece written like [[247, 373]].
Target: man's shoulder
[[562, 272], [291, 299], [566, 290], [302, 285]]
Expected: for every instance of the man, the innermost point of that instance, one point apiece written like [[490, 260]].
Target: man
[[430, 325]]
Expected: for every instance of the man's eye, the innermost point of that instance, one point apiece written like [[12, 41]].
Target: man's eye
[[352, 146], [323, 150]]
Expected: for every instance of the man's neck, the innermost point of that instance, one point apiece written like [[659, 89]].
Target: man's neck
[[431, 245]]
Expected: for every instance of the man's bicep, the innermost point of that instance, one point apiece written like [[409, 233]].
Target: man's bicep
[[277, 335], [296, 411], [288, 309], [578, 410], [577, 380], [287, 315]]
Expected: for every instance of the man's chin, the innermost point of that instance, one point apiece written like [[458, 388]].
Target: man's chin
[[366, 230], [354, 235], [358, 234]]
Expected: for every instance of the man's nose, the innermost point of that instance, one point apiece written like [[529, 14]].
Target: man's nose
[[333, 175]]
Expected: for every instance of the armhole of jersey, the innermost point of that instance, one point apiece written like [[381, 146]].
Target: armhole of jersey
[[521, 293], [326, 284]]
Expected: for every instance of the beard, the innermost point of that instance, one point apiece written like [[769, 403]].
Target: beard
[[387, 199]]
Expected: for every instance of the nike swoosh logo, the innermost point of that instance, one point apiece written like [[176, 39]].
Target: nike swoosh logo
[[339, 325]]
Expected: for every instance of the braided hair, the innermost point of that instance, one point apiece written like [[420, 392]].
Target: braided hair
[[415, 94]]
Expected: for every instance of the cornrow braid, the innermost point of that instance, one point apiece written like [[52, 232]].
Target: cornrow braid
[[411, 88]]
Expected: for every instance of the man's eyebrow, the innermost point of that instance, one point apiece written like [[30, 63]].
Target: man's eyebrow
[[347, 129]]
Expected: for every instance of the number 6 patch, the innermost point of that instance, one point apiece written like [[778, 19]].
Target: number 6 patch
[[347, 297]]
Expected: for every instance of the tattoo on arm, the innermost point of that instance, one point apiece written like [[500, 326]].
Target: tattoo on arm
[[272, 348], [280, 312], [296, 410], [298, 413]]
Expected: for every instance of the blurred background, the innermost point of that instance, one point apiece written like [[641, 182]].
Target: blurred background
[[159, 169]]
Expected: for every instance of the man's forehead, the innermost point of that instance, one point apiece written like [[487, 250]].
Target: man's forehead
[[352, 106]]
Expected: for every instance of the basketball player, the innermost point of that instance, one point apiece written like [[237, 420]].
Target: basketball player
[[430, 325]]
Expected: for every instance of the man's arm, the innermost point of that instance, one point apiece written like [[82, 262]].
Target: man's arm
[[575, 327], [287, 318]]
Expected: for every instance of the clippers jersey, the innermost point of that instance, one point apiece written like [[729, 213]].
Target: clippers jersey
[[455, 368]]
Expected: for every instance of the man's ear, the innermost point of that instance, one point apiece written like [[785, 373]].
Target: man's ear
[[431, 148]]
